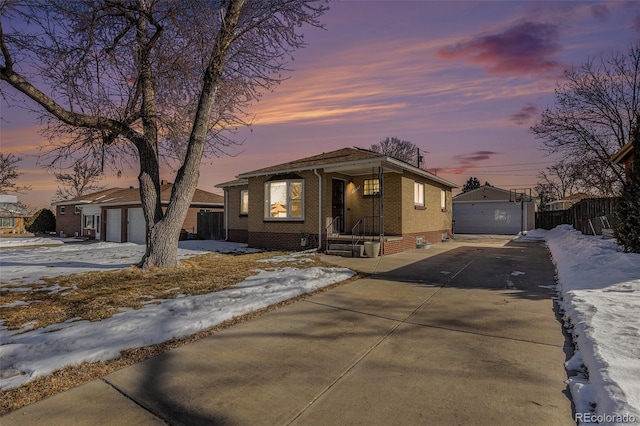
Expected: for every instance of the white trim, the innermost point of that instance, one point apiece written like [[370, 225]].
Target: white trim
[[268, 201]]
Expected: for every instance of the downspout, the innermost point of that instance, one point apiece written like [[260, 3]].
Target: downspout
[[315, 172], [226, 215]]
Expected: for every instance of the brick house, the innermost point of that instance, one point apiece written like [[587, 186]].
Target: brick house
[[12, 215], [341, 194], [115, 214]]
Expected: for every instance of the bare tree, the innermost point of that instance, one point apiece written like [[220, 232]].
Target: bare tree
[[403, 150], [558, 180], [82, 179], [157, 80], [594, 113], [9, 173]]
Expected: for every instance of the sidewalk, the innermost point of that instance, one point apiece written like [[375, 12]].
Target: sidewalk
[[461, 333]]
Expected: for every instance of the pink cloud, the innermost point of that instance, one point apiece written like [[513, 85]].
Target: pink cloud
[[468, 161], [524, 48], [526, 113]]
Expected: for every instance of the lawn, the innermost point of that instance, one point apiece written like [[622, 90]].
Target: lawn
[[96, 322]]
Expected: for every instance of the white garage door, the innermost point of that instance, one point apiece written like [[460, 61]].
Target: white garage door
[[114, 225], [136, 228], [487, 218]]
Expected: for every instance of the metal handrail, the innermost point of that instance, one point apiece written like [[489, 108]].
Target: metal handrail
[[332, 226], [356, 235]]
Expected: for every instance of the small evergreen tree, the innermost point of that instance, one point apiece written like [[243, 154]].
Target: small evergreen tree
[[471, 184], [627, 229], [42, 221]]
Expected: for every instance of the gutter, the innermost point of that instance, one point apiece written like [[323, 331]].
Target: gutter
[[226, 215], [315, 172]]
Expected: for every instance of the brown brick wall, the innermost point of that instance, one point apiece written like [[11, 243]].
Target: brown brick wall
[[308, 224], [281, 241], [69, 222], [238, 235], [430, 218], [234, 219], [408, 241]]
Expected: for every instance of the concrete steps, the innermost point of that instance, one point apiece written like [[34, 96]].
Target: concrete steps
[[345, 250]]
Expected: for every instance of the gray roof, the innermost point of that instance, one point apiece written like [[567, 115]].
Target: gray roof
[[13, 210]]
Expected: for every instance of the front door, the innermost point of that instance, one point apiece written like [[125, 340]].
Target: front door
[[337, 202]]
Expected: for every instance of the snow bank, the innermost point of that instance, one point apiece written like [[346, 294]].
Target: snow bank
[[600, 288]]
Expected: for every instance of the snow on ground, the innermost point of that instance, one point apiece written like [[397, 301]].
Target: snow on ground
[[28, 353], [20, 266], [600, 291]]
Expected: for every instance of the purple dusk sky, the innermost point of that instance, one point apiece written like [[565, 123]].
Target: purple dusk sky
[[462, 80]]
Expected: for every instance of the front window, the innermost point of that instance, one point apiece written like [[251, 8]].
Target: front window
[[7, 222], [284, 199], [371, 187], [418, 194], [244, 201]]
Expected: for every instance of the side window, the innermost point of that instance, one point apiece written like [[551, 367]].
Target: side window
[[418, 194], [244, 202]]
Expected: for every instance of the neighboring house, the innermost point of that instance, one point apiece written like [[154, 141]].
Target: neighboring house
[[115, 214], [492, 210], [297, 205], [566, 202], [624, 156], [12, 215]]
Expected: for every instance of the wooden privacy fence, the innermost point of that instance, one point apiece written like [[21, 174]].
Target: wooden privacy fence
[[584, 215], [211, 226]]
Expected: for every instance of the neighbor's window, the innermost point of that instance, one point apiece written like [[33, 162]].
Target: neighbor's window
[[78, 209], [284, 199], [371, 187], [443, 200], [62, 209], [88, 222], [244, 201], [7, 222], [418, 194]]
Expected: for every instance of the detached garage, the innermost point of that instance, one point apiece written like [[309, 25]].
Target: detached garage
[[491, 210], [116, 214]]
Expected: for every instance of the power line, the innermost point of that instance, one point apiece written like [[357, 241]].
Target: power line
[[509, 165]]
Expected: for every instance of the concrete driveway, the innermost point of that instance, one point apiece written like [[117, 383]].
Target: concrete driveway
[[462, 333]]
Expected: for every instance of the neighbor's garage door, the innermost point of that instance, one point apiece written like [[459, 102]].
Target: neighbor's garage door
[[114, 225], [136, 228], [487, 218]]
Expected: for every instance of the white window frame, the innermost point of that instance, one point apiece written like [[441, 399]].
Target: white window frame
[[78, 209], [8, 222], [62, 209], [418, 194], [371, 187], [244, 207], [84, 221], [267, 200], [443, 200]]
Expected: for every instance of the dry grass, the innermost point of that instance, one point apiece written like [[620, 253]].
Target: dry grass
[[95, 296]]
